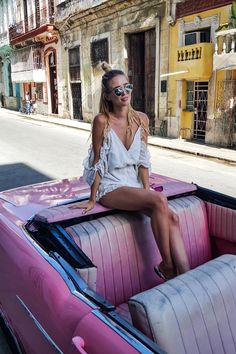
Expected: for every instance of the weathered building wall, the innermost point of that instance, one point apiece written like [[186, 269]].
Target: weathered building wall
[[7, 88], [196, 69], [115, 24]]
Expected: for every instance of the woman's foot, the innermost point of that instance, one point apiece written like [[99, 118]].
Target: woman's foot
[[164, 272]]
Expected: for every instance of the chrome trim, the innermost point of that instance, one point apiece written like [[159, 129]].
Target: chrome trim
[[94, 309], [7, 200], [39, 326], [135, 343], [59, 269], [14, 337]]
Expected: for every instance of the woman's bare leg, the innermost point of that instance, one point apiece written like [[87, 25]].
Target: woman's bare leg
[[177, 248], [136, 199]]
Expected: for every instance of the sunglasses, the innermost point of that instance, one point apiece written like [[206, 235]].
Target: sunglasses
[[126, 89]]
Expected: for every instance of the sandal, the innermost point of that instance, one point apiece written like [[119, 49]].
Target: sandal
[[160, 274]]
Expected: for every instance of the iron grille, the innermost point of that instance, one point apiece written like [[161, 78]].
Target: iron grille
[[200, 115], [99, 51], [39, 90]]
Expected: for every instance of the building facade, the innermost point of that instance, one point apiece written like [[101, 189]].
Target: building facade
[[180, 56], [33, 58], [8, 91], [202, 73], [129, 35]]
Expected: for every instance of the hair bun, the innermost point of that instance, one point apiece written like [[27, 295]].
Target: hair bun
[[106, 67]]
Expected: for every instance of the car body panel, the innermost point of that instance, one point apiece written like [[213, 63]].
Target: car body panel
[[37, 296]]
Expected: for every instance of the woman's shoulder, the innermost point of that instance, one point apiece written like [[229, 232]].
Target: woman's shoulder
[[143, 118], [99, 125], [99, 121]]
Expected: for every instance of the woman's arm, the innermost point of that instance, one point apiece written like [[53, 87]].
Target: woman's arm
[[142, 170], [97, 141]]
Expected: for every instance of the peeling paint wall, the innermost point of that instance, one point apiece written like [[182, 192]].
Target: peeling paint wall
[[113, 23]]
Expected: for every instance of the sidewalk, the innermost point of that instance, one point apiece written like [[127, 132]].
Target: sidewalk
[[199, 149]]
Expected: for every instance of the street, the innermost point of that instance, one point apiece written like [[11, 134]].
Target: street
[[33, 151]]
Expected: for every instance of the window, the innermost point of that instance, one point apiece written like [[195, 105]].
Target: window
[[201, 36], [52, 59], [99, 51], [39, 91], [10, 86], [190, 96], [234, 121], [74, 64], [37, 59]]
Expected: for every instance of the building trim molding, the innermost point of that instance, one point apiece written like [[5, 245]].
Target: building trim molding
[[191, 7], [196, 24]]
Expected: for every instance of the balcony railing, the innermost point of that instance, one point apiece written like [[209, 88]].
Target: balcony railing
[[27, 59], [30, 23], [189, 54], [195, 61], [225, 50], [27, 65]]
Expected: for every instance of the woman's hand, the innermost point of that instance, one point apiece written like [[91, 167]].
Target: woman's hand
[[87, 206]]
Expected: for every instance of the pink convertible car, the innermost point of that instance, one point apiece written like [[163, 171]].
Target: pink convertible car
[[74, 283]]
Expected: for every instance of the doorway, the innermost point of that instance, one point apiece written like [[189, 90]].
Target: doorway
[[53, 82], [200, 109], [75, 80], [76, 100], [141, 72]]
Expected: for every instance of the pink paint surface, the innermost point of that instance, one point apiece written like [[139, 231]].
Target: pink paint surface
[[19, 204]]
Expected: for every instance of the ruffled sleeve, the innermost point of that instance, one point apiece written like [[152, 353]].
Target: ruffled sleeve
[[144, 157], [101, 166]]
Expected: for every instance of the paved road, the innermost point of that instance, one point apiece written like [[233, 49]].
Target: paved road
[[36, 151]]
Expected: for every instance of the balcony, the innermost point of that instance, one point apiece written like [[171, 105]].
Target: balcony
[[27, 65], [225, 51], [194, 61], [31, 23]]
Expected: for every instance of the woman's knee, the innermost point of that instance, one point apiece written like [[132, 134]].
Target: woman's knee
[[160, 203], [174, 218]]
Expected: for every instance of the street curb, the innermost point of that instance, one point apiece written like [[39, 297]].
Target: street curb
[[197, 153], [86, 128], [30, 117]]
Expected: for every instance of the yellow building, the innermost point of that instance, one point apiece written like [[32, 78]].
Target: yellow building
[[201, 76]]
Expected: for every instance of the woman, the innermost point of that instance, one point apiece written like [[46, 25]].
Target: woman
[[117, 169]]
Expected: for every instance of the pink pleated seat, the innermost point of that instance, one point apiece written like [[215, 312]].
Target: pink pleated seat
[[194, 313], [123, 248], [222, 222]]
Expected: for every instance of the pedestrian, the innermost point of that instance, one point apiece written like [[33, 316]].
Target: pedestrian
[[27, 102], [2, 100], [117, 169]]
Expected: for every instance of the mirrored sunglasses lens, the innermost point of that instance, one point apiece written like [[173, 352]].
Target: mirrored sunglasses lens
[[118, 91], [128, 88]]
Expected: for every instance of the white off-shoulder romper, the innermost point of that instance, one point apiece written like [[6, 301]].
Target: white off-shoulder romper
[[117, 166]]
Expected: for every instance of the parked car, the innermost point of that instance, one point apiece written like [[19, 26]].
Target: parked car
[[84, 283]]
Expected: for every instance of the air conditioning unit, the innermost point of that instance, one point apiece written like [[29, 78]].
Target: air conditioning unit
[[192, 38]]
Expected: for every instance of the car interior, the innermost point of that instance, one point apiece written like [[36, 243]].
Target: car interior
[[114, 253]]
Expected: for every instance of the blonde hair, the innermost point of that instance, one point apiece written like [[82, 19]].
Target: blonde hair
[[106, 107]]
